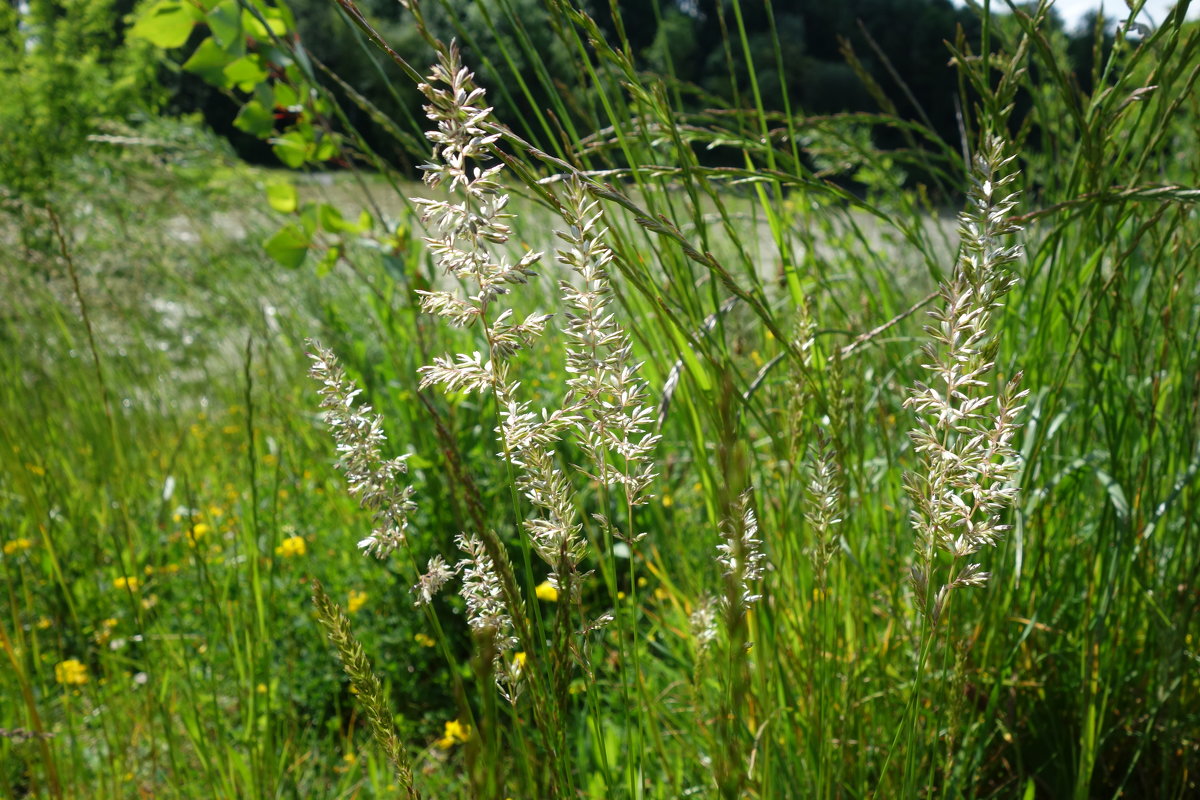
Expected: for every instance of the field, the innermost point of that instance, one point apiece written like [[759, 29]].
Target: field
[[813, 457]]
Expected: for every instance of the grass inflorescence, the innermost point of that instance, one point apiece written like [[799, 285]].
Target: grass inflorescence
[[696, 450]]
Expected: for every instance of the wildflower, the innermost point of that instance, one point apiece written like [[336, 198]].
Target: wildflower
[[359, 437], [965, 447], [454, 733], [131, 584], [356, 601], [740, 553], [547, 591], [292, 546], [71, 672], [197, 532], [424, 639], [17, 546]]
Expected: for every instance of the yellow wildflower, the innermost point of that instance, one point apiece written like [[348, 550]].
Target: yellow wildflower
[[71, 672], [519, 657], [17, 546], [197, 533], [43, 623], [36, 469], [424, 640], [357, 600], [546, 591], [454, 733], [292, 546], [130, 583]]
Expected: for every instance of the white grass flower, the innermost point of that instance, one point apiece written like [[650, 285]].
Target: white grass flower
[[823, 508], [437, 574], [463, 232], [617, 419], [965, 427], [486, 608], [741, 555], [359, 436], [703, 622]]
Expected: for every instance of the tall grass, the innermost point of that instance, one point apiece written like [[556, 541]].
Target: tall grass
[[778, 319]]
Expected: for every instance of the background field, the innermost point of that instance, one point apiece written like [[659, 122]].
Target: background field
[[168, 491]]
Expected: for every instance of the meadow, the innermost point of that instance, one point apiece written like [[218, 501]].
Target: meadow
[[815, 456]]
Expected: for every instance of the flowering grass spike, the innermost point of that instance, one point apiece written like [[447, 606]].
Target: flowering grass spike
[[964, 432]]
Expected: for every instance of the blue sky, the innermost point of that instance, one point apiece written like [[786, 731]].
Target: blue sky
[[1072, 11]]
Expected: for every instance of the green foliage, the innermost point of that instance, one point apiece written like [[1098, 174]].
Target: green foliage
[[779, 316], [65, 69]]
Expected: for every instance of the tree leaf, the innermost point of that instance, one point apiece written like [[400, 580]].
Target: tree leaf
[[245, 73], [291, 148], [255, 120], [289, 246], [166, 24], [225, 21], [209, 62], [282, 197]]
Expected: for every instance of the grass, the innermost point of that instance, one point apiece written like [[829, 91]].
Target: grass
[[168, 498]]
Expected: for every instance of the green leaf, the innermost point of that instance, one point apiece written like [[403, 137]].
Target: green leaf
[[166, 24], [276, 24], [225, 20], [328, 147], [286, 96], [255, 120], [310, 219], [282, 197], [291, 148], [209, 62], [331, 219], [289, 246], [329, 260], [245, 73]]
